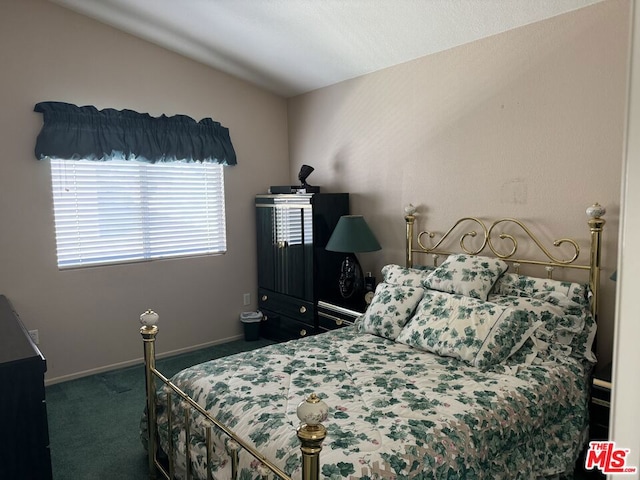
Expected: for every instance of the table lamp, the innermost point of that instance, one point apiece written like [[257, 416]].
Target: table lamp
[[352, 235]]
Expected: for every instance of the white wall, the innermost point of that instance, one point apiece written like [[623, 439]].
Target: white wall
[[527, 124], [625, 419], [87, 318]]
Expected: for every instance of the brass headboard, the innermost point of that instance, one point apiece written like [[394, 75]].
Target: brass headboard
[[486, 233]]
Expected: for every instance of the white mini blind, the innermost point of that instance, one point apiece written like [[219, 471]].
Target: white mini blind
[[122, 211]]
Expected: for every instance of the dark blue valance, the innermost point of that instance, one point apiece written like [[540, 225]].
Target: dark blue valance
[[72, 132]]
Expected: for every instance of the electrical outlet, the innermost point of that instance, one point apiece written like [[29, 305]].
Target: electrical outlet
[[246, 299], [34, 336]]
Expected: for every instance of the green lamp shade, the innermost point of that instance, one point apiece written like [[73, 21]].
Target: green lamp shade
[[352, 235]]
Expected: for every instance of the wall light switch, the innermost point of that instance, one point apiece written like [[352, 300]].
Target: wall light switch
[[246, 299]]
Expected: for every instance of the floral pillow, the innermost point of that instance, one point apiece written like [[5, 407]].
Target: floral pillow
[[476, 332], [398, 275], [390, 309], [469, 275], [525, 286], [567, 329]]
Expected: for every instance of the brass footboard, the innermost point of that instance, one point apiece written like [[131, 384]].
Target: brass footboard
[[311, 432]]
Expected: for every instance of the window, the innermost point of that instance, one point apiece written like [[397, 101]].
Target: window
[[121, 211]]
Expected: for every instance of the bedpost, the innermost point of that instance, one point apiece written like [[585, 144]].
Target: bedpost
[[410, 218], [311, 433], [148, 331], [595, 212]]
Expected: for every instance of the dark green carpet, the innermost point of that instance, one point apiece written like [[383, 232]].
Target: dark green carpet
[[94, 421]]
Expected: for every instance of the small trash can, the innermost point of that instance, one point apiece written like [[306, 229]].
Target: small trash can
[[251, 322]]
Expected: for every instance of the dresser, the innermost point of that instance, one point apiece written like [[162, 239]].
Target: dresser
[[24, 437], [295, 271]]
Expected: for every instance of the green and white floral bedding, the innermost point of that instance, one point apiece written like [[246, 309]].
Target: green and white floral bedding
[[497, 390]]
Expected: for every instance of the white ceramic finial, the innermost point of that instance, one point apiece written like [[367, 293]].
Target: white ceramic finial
[[149, 318], [596, 210], [410, 209], [312, 411], [232, 445], [263, 470]]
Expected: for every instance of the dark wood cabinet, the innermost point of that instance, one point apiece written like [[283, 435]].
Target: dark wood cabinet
[[294, 269], [24, 433], [600, 405], [599, 409]]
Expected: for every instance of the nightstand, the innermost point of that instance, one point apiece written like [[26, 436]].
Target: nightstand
[[599, 406], [600, 403], [332, 316]]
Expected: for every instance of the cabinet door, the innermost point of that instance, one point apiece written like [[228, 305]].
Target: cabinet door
[[285, 247], [281, 328]]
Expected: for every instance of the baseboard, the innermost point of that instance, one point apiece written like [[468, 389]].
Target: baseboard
[[136, 361]]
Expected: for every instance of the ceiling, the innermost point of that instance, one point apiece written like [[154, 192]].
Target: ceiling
[[294, 46]]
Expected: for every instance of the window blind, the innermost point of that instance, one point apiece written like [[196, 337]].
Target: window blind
[[121, 211]]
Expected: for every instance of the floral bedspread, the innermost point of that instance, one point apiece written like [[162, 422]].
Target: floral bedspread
[[395, 412]]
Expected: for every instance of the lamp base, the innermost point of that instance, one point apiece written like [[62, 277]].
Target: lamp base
[[351, 281]]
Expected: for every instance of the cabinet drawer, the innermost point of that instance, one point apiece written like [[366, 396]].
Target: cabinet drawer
[[601, 394], [278, 327], [288, 306], [327, 321], [599, 410], [599, 414]]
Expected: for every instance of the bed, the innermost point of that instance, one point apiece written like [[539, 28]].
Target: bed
[[462, 368]]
